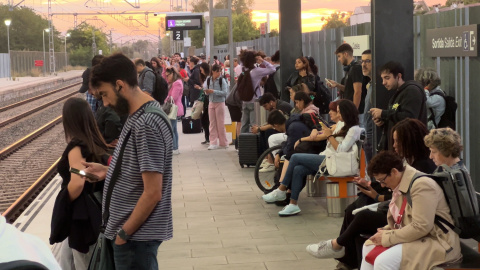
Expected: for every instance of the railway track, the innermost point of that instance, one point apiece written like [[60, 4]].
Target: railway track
[[17, 104], [6, 112], [27, 166]]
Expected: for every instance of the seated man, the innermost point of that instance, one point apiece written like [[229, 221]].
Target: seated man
[[270, 103]]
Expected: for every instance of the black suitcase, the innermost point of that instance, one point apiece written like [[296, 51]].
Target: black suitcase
[[190, 126], [248, 149]]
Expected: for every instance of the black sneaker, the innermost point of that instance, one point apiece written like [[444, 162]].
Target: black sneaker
[[284, 202], [205, 142]]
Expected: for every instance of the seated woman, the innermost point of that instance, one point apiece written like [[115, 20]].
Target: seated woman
[[407, 142], [445, 147], [413, 240], [304, 103], [341, 139]]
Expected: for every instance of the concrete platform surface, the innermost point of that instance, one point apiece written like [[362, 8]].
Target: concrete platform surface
[[7, 84], [221, 222]]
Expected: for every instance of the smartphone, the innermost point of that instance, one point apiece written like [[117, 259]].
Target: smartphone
[[90, 176], [328, 81], [362, 187], [324, 123]]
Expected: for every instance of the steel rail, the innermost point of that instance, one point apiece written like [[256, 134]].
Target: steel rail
[[34, 110], [14, 211], [11, 106], [30, 137]]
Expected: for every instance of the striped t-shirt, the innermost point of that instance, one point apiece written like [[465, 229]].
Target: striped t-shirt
[[149, 149]]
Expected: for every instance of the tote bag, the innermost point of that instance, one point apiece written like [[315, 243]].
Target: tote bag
[[341, 164], [170, 109]]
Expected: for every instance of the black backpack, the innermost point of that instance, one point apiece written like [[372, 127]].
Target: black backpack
[[323, 96], [462, 199], [271, 86], [245, 86], [220, 82], [448, 117], [160, 90]]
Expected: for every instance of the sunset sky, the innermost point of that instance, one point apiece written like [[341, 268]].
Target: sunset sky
[[312, 13]]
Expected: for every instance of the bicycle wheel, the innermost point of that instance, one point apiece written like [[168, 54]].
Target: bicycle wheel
[[267, 181]]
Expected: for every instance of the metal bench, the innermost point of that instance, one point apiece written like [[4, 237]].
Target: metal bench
[[341, 191]]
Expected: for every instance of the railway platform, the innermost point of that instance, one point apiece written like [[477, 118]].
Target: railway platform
[[220, 220]]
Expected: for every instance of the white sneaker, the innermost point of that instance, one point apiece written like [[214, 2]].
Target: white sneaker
[[264, 163], [276, 195], [267, 168], [324, 250], [213, 147], [289, 210], [176, 152]]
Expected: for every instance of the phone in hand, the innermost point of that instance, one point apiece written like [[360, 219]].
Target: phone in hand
[[324, 123], [362, 187], [328, 82], [90, 176]]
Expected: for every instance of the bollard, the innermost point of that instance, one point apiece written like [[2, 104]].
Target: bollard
[[335, 204], [317, 188]]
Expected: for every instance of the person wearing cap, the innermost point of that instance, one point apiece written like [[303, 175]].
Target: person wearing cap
[[92, 101]]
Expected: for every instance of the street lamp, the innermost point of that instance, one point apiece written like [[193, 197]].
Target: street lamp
[[7, 23], [43, 32], [66, 63]]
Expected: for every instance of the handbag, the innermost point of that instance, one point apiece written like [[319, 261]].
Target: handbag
[[377, 250], [197, 109], [172, 114], [102, 256], [233, 99], [341, 164]]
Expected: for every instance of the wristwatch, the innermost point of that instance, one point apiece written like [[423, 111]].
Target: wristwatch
[[122, 234]]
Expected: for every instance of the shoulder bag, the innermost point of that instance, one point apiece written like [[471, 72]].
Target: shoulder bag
[[377, 250], [341, 164], [102, 257], [170, 108]]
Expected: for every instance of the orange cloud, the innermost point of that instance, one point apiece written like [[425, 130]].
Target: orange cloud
[[311, 19]]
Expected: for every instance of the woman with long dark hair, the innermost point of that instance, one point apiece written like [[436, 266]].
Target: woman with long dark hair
[[342, 139], [204, 71], [77, 235], [157, 66], [302, 74]]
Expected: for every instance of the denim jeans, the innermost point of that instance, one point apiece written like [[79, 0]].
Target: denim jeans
[[140, 255], [299, 167], [248, 117], [175, 134]]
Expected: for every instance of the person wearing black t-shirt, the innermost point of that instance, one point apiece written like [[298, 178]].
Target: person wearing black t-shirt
[[76, 217], [351, 86]]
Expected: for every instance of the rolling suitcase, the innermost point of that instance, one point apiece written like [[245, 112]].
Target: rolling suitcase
[[190, 126], [248, 149]]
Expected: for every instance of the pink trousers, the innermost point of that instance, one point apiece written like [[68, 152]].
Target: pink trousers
[[216, 114]]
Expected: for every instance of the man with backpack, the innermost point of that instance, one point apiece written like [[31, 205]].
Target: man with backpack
[[248, 85], [146, 76]]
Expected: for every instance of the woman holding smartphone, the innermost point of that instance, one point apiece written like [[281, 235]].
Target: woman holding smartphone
[[75, 230], [342, 139], [216, 89]]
